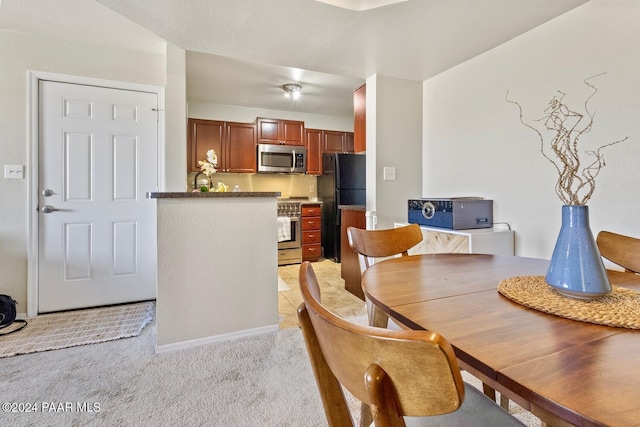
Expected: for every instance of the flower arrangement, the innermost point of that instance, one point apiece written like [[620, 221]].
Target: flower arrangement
[[575, 183], [209, 167]]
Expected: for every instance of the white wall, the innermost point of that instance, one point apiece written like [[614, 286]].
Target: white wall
[[175, 150], [394, 135], [474, 144], [21, 53], [234, 113], [229, 282]]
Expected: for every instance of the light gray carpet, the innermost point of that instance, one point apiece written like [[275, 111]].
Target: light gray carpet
[[263, 380]]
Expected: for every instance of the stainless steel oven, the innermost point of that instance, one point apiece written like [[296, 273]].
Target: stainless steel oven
[[289, 233]]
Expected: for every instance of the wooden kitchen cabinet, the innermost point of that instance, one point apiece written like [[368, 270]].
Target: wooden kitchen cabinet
[[283, 132], [337, 142], [239, 152], [320, 141], [234, 143], [349, 144], [313, 139], [360, 119], [202, 136], [311, 231]]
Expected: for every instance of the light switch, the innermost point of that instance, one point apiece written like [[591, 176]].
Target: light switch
[[389, 173], [14, 171]]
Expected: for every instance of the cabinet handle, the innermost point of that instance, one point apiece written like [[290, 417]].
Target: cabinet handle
[[312, 223], [312, 211], [312, 249]]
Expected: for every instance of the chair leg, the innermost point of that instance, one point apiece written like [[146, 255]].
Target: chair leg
[[377, 317]]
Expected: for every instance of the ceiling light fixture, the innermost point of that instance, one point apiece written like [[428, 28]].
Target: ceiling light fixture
[[360, 5], [292, 91]]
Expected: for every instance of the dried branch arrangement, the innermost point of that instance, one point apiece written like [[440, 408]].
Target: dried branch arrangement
[[576, 183]]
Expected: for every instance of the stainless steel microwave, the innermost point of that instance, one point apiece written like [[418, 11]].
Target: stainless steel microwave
[[281, 158]]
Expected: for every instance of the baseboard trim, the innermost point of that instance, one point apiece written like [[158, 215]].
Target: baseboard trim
[[183, 345]]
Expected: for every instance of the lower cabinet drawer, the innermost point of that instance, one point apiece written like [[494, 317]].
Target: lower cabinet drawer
[[311, 223], [310, 237], [311, 252]]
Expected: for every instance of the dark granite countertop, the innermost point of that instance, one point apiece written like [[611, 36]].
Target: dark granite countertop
[[199, 195]]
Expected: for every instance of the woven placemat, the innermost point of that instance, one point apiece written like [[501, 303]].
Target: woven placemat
[[620, 308]]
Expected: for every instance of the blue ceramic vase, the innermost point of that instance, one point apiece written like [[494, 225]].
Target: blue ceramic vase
[[576, 269]]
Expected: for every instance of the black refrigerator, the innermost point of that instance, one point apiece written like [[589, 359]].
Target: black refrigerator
[[343, 182]]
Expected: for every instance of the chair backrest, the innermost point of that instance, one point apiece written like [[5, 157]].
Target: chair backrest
[[621, 250], [371, 244], [400, 373]]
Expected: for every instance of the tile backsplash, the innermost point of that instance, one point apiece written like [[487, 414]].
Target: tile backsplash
[[287, 185]]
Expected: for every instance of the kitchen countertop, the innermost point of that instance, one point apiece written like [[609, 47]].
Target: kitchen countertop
[[197, 195], [352, 207]]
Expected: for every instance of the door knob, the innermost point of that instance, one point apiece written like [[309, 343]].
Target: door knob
[[47, 193], [48, 209]]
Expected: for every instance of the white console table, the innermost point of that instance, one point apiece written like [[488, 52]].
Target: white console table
[[477, 241]]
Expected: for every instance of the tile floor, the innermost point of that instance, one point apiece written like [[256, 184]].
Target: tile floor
[[333, 293]]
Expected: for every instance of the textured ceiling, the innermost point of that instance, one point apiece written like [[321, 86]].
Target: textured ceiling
[[241, 51], [415, 39], [84, 21]]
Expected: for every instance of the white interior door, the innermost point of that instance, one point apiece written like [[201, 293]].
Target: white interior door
[[98, 154]]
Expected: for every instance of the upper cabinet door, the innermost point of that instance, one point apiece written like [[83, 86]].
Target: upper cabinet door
[[240, 154], [314, 151], [333, 141], [337, 142], [349, 146], [292, 132], [360, 119], [202, 136], [268, 131], [273, 131]]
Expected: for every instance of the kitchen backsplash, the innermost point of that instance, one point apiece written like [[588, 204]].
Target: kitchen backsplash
[[287, 185]]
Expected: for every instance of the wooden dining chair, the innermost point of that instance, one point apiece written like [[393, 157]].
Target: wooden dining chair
[[620, 249], [397, 373], [375, 244]]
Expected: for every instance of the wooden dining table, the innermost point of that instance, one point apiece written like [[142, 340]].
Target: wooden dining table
[[564, 371]]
